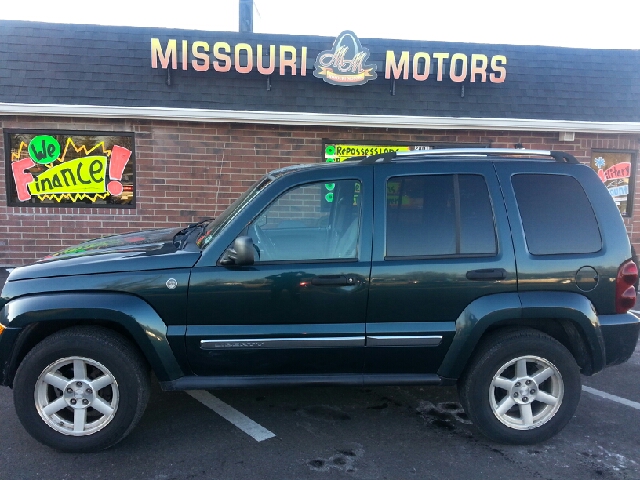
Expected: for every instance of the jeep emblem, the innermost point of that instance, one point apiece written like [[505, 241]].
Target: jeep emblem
[[172, 283]]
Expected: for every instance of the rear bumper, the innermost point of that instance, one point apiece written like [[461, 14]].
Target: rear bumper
[[620, 335]]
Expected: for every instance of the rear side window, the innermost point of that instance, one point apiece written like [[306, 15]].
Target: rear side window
[[439, 215], [556, 214]]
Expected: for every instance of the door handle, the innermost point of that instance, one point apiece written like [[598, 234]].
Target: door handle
[[487, 274], [333, 280]]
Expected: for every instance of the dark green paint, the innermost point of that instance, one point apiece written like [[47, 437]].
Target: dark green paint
[[123, 280], [132, 313], [558, 272]]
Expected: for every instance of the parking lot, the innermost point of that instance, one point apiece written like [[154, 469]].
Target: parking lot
[[341, 432], [338, 432]]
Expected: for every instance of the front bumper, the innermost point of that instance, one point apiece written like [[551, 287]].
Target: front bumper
[[620, 335]]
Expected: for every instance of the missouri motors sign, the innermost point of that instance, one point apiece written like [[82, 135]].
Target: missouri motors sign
[[347, 63]]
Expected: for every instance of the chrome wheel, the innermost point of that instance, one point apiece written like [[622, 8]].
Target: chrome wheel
[[526, 392], [76, 396]]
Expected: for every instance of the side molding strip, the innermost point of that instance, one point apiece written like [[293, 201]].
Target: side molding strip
[[326, 342], [404, 340], [232, 343]]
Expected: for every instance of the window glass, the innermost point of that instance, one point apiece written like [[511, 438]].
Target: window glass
[[477, 227], [232, 211], [71, 169], [421, 217], [615, 169], [557, 216], [316, 221], [426, 217]]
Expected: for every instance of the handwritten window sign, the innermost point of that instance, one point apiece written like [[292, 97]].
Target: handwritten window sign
[[74, 169], [336, 152], [616, 170]]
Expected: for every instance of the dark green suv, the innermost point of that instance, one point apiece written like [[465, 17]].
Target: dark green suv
[[506, 272]]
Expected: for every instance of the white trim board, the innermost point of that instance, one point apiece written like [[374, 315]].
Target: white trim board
[[324, 119]]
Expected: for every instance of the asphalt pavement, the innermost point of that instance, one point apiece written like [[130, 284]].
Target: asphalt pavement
[[343, 432]]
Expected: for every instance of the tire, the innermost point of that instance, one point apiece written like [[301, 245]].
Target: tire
[[81, 390], [521, 387]]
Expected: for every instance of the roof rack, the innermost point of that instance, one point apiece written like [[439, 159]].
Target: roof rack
[[558, 156]]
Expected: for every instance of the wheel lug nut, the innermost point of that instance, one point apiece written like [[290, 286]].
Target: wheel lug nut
[[515, 395], [78, 384], [85, 401], [69, 390], [517, 384], [73, 401], [528, 382], [525, 399], [89, 391], [532, 391]]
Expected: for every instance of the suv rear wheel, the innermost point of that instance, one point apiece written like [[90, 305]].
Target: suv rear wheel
[[522, 387], [81, 389]]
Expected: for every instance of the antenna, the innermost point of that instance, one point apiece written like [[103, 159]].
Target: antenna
[[245, 16]]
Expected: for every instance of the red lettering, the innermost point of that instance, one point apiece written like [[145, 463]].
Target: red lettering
[[22, 178]]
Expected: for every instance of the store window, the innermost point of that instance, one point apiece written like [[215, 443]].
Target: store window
[[616, 169], [70, 169]]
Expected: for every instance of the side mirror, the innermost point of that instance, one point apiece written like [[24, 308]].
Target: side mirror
[[240, 253]]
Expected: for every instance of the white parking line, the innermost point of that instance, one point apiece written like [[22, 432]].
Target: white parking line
[[615, 398], [637, 312], [244, 423]]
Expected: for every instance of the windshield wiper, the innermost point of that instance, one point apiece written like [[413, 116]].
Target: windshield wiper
[[180, 238]]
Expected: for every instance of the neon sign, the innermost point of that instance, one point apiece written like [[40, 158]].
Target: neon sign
[[345, 64]]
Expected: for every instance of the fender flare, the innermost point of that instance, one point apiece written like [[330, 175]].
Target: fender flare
[[135, 315], [490, 310]]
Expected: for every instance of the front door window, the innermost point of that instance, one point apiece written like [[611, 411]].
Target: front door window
[[317, 221]]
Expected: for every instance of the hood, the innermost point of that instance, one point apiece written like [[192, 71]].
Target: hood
[[145, 250]]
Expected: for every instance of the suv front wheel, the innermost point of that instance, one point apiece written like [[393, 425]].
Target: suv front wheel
[[81, 389], [522, 387]]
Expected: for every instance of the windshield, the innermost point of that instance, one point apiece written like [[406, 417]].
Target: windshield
[[231, 212]]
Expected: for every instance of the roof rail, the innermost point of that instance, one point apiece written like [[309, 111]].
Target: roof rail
[[558, 156]]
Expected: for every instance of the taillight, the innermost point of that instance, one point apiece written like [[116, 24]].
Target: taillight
[[625, 286]]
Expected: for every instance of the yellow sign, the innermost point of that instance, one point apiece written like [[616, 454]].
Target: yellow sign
[[339, 153], [83, 175]]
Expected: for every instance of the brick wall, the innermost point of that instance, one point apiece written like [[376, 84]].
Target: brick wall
[[186, 171]]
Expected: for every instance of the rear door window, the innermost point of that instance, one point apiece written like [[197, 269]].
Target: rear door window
[[556, 214], [439, 215]]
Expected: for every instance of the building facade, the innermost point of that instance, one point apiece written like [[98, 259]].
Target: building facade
[[107, 130]]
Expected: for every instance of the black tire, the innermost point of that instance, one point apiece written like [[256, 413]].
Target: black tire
[[529, 350], [104, 354]]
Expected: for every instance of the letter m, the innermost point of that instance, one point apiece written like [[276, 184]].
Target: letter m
[[158, 54], [401, 68]]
